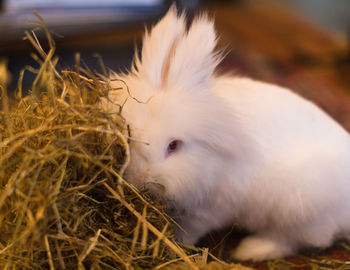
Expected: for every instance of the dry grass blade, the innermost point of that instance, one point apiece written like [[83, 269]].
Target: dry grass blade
[[87, 250], [49, 255], [153, 229]]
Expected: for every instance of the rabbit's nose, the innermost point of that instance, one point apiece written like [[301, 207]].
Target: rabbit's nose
[[136, 178]]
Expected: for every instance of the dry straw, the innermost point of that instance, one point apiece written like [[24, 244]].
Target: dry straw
[[63, 201]]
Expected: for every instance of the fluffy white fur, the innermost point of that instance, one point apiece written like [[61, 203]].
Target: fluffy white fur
[[253, 153]]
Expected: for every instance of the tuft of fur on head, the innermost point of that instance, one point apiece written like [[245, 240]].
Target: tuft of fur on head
[[172, 54]]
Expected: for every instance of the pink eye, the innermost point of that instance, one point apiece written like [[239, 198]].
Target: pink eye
[[173, 147]]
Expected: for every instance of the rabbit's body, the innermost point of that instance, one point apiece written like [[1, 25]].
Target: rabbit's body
[[290, 183], [224, 150]]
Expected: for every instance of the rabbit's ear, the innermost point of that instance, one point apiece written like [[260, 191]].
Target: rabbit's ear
[[171, 55], [158, 45], [194, 59]]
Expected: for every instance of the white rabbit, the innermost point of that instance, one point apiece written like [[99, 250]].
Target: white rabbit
[[224, 149]]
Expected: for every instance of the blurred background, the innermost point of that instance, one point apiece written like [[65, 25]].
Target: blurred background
[[302, 44]]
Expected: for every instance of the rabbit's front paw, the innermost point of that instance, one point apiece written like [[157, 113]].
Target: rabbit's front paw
[[259, 247]]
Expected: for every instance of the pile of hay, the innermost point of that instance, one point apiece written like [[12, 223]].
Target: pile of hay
[[63, 201]]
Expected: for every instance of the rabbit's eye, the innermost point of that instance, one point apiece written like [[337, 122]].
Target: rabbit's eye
[[173, 147]]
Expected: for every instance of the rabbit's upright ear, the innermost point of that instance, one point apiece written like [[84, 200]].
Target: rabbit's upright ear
[[193, 59], [172, 55], [157, 45]]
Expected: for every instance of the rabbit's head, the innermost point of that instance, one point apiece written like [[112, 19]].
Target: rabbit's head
[[178, 126]]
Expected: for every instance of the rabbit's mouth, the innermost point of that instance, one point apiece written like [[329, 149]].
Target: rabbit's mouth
[[144, 183]]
